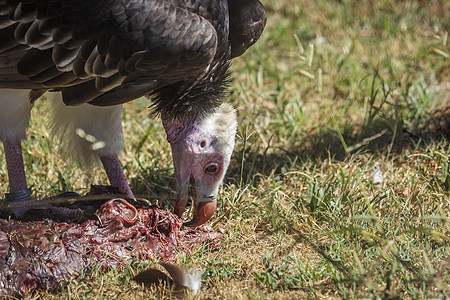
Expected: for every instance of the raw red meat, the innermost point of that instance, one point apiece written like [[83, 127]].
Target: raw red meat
[[39, 254]]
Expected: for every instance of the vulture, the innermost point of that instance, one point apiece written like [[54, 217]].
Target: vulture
[[96, 55]]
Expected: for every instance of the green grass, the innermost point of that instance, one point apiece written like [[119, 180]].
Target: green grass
[[324, 99]]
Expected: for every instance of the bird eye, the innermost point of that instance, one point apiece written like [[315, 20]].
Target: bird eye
[[212, 168], [202, 144]]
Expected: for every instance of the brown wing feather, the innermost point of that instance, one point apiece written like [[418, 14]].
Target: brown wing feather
[[247, 22], [93, 49]]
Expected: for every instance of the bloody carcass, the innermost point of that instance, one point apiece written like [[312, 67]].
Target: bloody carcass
[[40, 254]]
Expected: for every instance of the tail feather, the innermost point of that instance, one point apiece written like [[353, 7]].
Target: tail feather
[[86, 131]]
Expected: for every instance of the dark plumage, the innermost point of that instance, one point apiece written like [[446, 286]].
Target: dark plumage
[[107, 52]]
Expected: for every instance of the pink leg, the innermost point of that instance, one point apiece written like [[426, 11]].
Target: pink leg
[[114, 171], [14, 165], [19, 193]]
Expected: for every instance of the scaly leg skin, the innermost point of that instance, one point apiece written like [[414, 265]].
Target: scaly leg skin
[[19, 195], [114, 171]]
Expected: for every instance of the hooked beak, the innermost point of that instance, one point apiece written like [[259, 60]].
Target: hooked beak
[[203, 211], [204, 206]]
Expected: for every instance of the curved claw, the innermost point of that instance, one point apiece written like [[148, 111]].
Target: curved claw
[[202, 213]]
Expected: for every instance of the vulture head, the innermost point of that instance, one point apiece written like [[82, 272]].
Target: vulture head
[[201, 154]]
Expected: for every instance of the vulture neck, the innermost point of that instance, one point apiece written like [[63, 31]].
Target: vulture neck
[[185, 104], [195, 97]]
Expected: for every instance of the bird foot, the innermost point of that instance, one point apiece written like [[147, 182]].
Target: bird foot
[[21, 204]]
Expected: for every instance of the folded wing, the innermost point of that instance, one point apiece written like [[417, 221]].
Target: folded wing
[[99, 51]]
